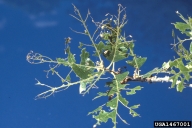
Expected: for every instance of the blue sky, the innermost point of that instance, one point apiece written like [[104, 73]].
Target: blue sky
[[42, 27]]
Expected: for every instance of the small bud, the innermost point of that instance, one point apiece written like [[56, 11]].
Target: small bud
[[88, 59], [102, 27], [177, 12], [85, 31], [105, 52], [94, 126], [101, 35], [97, 63]]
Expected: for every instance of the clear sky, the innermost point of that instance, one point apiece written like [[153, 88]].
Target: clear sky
[[41, 26]]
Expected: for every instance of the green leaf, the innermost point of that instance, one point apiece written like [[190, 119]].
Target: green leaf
[[137, 62], [123, 100], [186, 75], [133, 90], [96, 110], [133, 113], [100, 94], [121, 76], [90, 63], [174, 63], [84, 55], [180, 86], [131, 46], [115, 52], [81, 72], [182, 67], [174, 78], [116, 85], [99, 47], [103, 116], [112, 103], [105, 36], [190, 21], [181, 48], [183, 27], [135, 106], [62, 61], [71, 58], [68, 78], [123, 49], [155, 70], [85, 60], [173, 71]]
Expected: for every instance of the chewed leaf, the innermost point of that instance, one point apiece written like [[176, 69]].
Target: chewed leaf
[[174, 79], [155, 70], [100, 94], [180, 86], [133, 90], [133, 113], [115, 85], [123, 100], [135, 106], [96, 110], [103, 116], [137, 62], [99, 47], [112, 103], [71, 57], [183, 27]]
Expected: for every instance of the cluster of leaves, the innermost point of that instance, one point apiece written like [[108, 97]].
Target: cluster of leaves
[[181, 67], [184, 62], [113, 47]]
